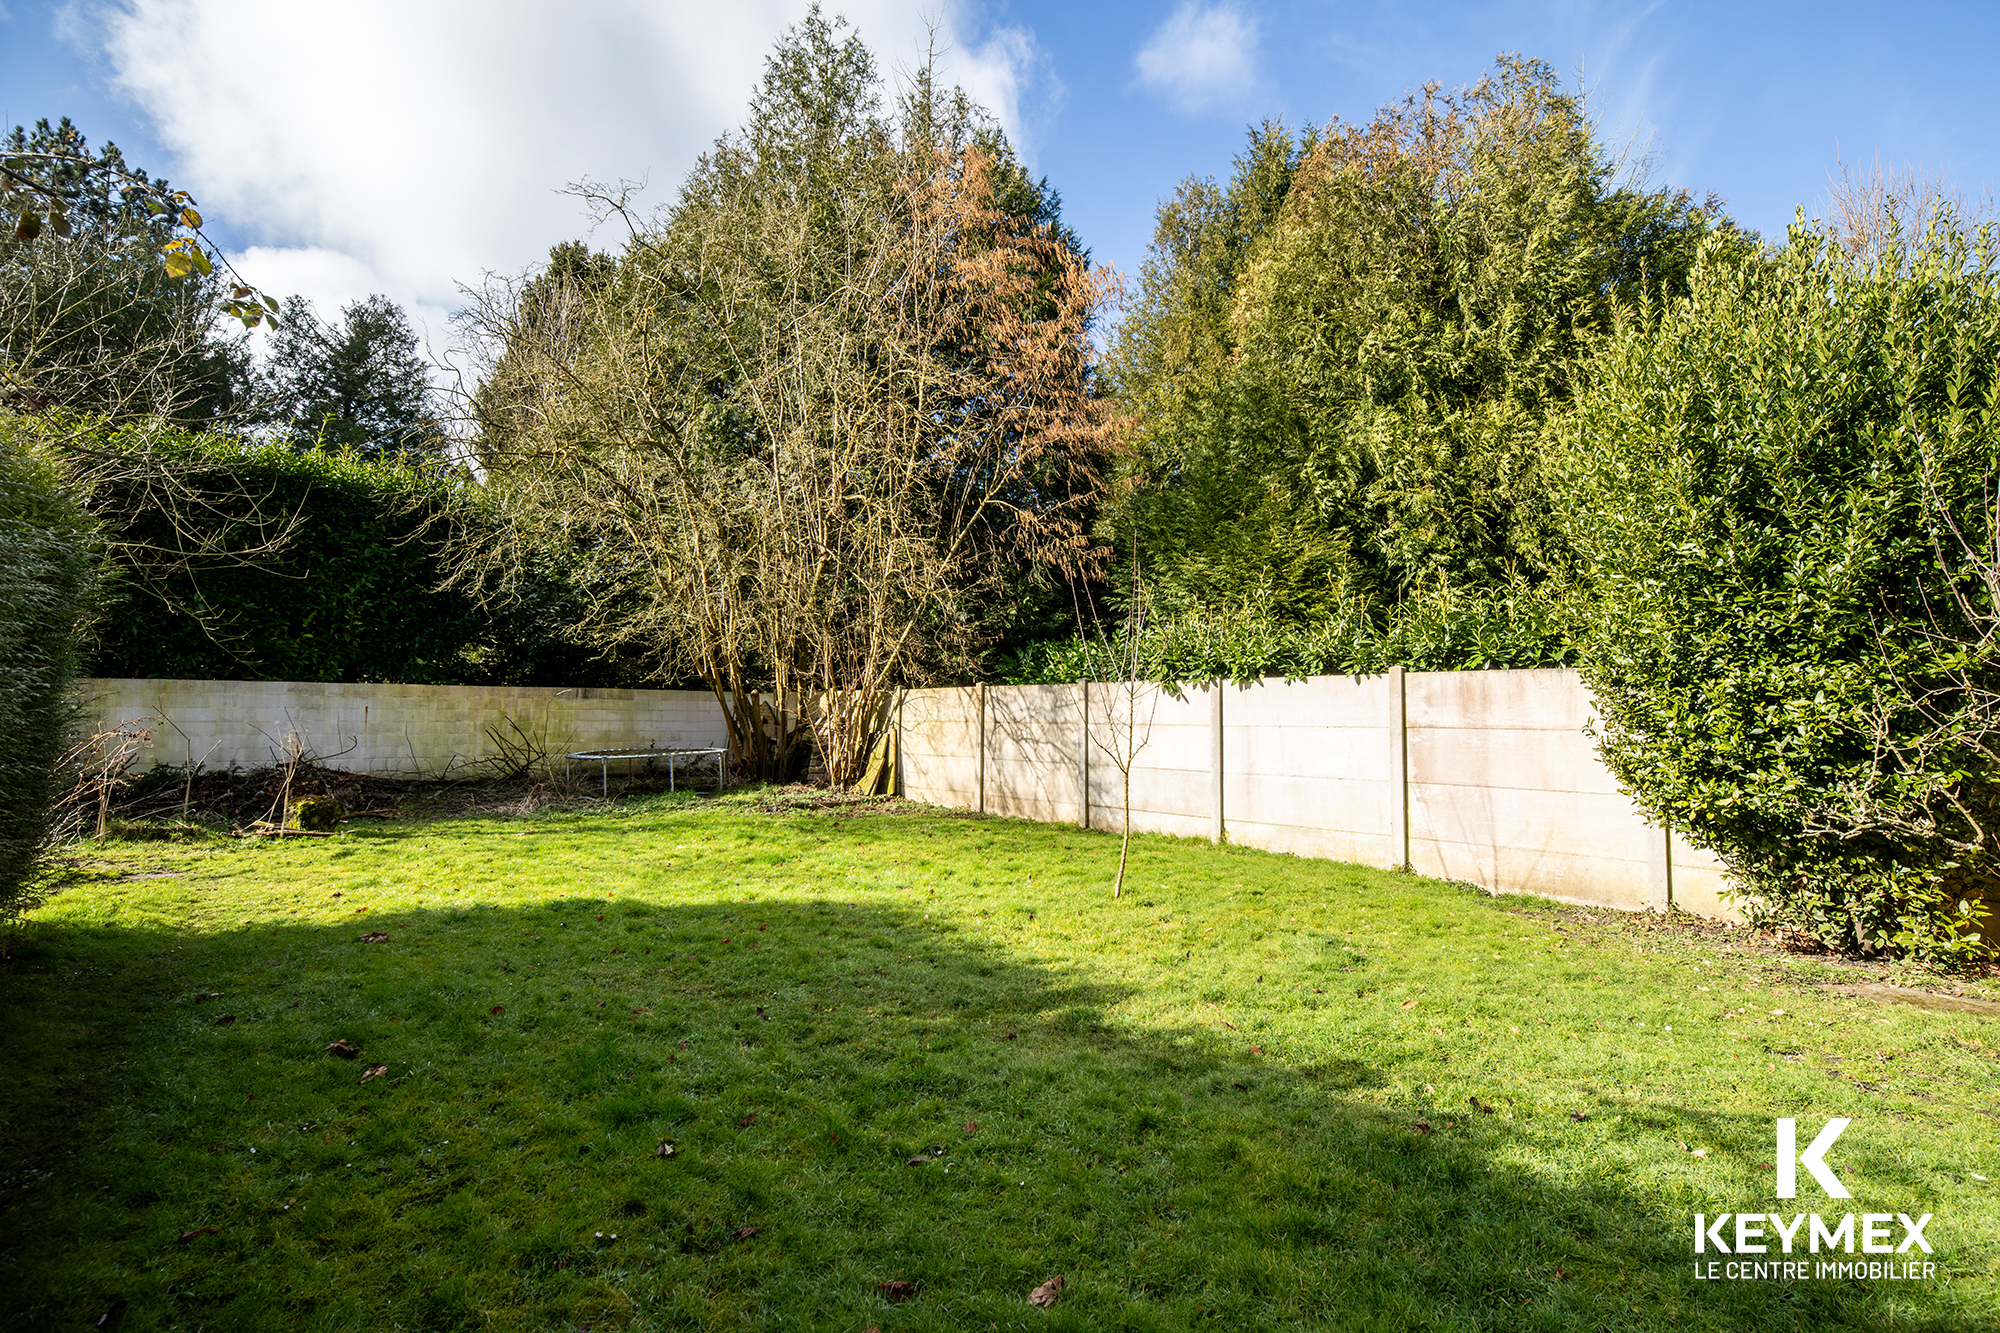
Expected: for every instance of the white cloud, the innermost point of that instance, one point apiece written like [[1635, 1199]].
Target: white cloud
[[1010, 75], [409, 146], [1202, 58]]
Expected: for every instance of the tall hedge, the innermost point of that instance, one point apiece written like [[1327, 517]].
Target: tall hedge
[[262, 563], [1781, 495], [45, 583]]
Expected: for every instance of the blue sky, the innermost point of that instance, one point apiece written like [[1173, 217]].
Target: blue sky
[[410, 146]]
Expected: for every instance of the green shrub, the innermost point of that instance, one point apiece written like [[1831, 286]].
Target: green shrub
[[1519, 625], [46, 576], [317, 814], [233, 562], [1779, 491]]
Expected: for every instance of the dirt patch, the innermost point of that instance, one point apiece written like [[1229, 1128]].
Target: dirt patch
[[800, 798], [1937, 1002]]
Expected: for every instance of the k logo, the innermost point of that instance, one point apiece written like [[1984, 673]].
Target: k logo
[[1813, 1159]]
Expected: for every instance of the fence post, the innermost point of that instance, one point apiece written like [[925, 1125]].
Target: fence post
[[1215, 833], [981, 692], [1660, 869], [1399, 766], [1083, 758]]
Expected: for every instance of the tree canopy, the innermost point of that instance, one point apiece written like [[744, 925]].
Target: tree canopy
[[92, 316], [1344, 358], [823, 409], [360, 385], [1779, 493]]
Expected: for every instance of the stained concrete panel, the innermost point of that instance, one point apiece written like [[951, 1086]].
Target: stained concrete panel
[[1539, 759], [1571, 825], [1498, 700], [1701, 882], [388, 728]]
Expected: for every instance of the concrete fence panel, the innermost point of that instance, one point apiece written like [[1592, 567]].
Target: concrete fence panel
[[1309, 767], [1506, 790], [1486, 776], [938, 750], [389, 730], [1167, 743], [1033, 736]]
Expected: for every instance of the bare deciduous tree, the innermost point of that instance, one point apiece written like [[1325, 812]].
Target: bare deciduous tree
[[819, 408], [1867, 210]]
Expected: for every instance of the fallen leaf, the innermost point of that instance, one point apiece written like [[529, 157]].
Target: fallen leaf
[[110, 1317], [225, 1020], [1409, 1004], [1243, 1087], [375, 937], [1231, 1026], [748, 1120], [497, 1009], [971, 1128], [1046, 1293], [373, 1071], [897, 1290], [1422, 1127], [1480, 1106], [1561, 1276], [343, 1048], [1578, 1116], [1318, 991], [1698, 1152], [251, 1098], [744, 1233], [920, 1159], [665, 1149], [187, 1236], [761, 1014], [1256, 1050], [1010, 1036]]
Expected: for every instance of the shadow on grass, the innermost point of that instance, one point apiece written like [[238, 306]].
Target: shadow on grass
[[797, 1057]]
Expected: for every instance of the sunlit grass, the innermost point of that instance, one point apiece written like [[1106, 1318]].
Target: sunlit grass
[[1257, 1092]]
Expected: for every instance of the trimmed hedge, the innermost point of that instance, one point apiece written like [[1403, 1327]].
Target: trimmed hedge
[[46, 576], [353, 591], [1781, 495], [1521, 625]]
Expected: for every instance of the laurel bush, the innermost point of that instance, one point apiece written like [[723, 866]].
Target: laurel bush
[[46, 578], [1780, 492]]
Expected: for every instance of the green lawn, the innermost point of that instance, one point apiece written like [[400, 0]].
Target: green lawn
[[1255, 1093]]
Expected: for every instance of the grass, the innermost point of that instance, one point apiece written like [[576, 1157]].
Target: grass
[[1256, 1093]]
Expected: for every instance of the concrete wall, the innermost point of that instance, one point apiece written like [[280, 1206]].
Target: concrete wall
[[1486, 776], [406, 730]]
